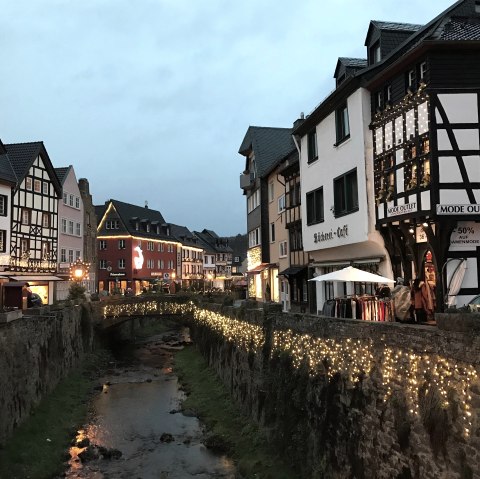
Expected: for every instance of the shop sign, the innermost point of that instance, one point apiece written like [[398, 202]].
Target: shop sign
[[340, 232], [117, 275], [458, 209], [156, 273], [466, 235], [420, 235], [402, 209]]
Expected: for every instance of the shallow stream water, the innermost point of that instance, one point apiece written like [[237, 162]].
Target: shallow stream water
[[138, 430]]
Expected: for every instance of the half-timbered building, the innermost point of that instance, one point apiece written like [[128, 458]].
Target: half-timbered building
[[34, 218], [425, 123]]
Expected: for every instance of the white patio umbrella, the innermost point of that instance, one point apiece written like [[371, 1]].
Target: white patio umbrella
[[353, 274]]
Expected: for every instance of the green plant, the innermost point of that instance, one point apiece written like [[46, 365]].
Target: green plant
[[76, 292]]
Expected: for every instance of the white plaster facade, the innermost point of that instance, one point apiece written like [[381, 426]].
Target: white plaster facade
[[339, 241]]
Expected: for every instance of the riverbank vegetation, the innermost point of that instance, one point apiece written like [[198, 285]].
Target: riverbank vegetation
[[229, 432], [38, 447]]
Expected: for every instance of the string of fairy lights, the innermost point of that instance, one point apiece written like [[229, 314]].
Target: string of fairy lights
[[401, 370]]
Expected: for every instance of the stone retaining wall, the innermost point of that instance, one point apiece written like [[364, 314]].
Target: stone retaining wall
[[36, 352], [352, 399]]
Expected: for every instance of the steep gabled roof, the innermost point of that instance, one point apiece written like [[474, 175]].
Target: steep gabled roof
[[390, 27], [351, 64], [62, 173], [130, 215], [461, 29], [269, 145], [6, 170], [22, 156], [214, 242]]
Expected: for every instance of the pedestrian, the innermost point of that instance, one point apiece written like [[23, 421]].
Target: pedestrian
[[28, 295], [419, 301], [401, 301]]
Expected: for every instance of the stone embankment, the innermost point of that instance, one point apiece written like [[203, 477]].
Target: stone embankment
[[344, 398], [36, 352]]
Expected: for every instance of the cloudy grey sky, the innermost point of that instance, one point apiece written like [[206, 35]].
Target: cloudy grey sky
[[150, 99]]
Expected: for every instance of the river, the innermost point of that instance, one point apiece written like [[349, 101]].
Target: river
[[137, 428]]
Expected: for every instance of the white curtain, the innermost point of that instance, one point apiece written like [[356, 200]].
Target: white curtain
[[456, 281]]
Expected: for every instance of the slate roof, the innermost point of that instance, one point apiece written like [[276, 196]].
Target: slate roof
[[131, 214], [353, 62], [213, 241], [269, 145], [22, 156], [396, 26], [6, 170], [62, 173], [184, 235], [461, 29]]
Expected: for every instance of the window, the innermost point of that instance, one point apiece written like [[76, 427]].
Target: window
[[63, 255], [65, 198], [77, 202], [28, 183], [272, 232], [121, 263], [70, 256], [293, 194], [121, 244], [45, 187], [270, 191], [45, 249], [25, 217], [283, 249], [375, 53], [78, 229], [162, 247], [147, 227], [341, 121], [24, 247], [312, 146], [423, 70], [281, 204], [411, 79], [64, 225], [254, 238], [237, 259], [170, 264], [315, 206], [102, 244], [345, 192], [296, 242], [102, 264], [150, 246], [77, 255], [378, 100], [37, 186], [3, 205], [70, 227], [388, 94], [253, 201], [46, 220], [70, 200], [3, 240], [161, 264], [477, 7]]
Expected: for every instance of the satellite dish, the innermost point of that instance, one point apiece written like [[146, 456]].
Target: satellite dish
[[109, 268]]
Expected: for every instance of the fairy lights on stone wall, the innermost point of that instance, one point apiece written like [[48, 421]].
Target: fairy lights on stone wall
[[401, 370]]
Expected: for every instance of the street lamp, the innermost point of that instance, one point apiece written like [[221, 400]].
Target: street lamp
[[79, 271]]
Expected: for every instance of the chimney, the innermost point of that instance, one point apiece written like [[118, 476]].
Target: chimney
[[146, 204], [299, 121]]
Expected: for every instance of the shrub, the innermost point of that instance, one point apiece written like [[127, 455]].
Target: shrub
[[76, 292]]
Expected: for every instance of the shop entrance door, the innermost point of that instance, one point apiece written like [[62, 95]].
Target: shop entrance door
[[285, 295]]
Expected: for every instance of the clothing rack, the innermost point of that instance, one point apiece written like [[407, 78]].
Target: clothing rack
[[364, 307]]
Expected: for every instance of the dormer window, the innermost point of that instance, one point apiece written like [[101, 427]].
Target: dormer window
[[147, 227], [378, 100], [375, 53], [411, 79], [423, 70], [388, 94], [477, 7], [341, 78]]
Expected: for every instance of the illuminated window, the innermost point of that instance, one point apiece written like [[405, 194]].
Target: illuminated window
[[45, 249]]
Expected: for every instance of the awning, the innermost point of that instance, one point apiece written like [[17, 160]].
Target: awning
[[36, 278], [259, 268], [292, 271]]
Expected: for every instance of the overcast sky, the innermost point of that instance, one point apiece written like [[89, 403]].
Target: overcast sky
[[150, 99]]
